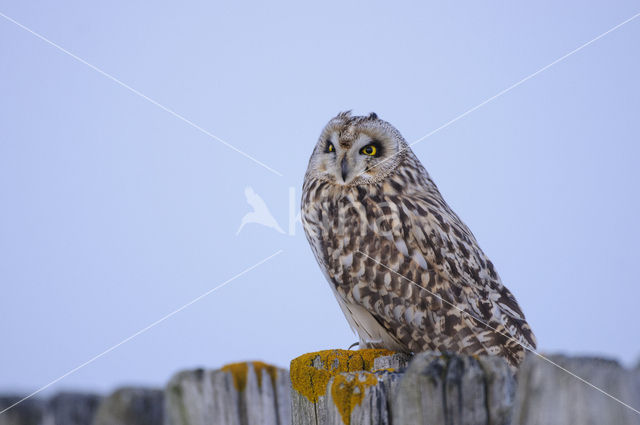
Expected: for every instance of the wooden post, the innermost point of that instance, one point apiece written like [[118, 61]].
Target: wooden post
[[29, 412], [251, 393], [340, 387], [454, 389], [131, 406], [549, 395], [71, 409]]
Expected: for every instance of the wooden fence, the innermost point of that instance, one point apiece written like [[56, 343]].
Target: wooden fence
[[340, 387]]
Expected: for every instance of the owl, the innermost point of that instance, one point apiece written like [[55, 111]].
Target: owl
[[408, 274]]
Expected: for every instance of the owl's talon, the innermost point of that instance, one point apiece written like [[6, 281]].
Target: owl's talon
[[373, 343], [354, 344]]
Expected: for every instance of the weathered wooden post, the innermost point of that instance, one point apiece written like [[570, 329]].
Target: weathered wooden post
[[341, 387], [549, 395], [29, 412], [251, 393], [67, 408], [335, 386], [454, 389], [131, 406], [64, 408]]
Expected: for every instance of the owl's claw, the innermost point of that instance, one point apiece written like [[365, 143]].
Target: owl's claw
[[370, 343]]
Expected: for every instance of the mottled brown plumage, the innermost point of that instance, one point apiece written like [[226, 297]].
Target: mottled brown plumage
[[407, 272]]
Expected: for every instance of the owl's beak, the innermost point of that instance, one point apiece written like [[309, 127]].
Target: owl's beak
[[344, 168]]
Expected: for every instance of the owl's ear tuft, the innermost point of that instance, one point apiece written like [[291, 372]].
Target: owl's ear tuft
[[373, 116], [344, 114]]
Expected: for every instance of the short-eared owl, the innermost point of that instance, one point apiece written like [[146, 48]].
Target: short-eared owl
[[381, 232]]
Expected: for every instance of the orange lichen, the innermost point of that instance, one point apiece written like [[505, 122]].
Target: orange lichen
[[271, 370], [348, 391], [239, 372], [310, 373], [387, 369]]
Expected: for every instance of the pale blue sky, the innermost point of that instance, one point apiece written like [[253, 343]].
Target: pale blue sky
[[114, 213]]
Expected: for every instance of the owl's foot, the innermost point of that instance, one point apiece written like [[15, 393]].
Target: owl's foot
[[372, 343]]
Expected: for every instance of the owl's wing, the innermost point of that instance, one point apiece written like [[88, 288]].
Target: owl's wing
[[431, 234]]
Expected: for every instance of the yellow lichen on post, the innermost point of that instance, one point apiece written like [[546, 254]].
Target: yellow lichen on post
[[271, 370], [386, 369], [348, 391], [311, 381], [239, 372]]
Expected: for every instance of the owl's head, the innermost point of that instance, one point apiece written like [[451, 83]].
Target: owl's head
[[354, 150]]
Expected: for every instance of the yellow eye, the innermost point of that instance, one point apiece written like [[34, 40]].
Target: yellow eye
[[369, 150], [329, 147]]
